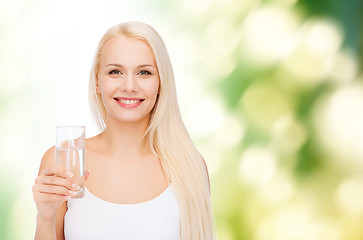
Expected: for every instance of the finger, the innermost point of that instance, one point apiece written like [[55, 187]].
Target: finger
[[57, 171], [53, 189], [49, 197], [42, 196], [57, 181], [51, 170], [86, 174]]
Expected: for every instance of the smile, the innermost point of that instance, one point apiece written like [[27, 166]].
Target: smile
[[129, 103]]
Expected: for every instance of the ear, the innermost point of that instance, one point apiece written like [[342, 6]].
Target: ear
[[98, 89]]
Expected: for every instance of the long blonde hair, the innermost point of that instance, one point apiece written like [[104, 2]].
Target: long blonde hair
[[169, 140]]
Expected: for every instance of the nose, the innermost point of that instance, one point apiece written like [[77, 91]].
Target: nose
[[129, 84]]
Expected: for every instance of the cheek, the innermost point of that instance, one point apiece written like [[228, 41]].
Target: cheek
[[154, 88], [104, 88]]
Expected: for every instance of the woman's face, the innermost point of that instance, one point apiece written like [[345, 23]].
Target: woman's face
[[128, 79]]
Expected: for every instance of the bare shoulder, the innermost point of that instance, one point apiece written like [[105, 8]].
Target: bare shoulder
[[48, 159], [92, 143]]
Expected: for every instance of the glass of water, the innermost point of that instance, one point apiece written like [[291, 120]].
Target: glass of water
[[69, 153]]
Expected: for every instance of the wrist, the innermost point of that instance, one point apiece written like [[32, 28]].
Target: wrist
[[45, 229], [46, 219]]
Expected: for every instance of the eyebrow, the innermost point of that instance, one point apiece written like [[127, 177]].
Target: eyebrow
[[120, 66]]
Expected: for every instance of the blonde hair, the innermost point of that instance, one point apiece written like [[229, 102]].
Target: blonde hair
[[182, 163]]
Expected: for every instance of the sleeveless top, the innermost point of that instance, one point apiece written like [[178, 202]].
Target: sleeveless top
[[91, 218]]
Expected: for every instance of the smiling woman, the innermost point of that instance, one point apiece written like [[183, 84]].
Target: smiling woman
[[147, 180], [129, 80]]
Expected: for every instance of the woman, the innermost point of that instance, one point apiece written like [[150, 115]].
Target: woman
[[147, 180]]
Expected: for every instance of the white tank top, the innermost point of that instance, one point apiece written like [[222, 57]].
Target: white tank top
[[91, 218]]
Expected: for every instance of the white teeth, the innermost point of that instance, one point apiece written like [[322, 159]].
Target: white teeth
[[128, 101]]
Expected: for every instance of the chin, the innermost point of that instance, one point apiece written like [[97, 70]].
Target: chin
[[132, 119]]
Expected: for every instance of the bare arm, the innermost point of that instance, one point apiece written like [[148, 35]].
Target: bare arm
[[53, 229], [50, 192]]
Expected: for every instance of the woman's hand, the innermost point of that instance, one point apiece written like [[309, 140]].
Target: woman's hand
[[53, 187]]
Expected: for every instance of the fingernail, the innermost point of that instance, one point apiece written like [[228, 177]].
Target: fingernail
[[68, 173], [72, 192], [75, 186]]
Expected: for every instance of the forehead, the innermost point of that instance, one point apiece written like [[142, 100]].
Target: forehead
[[126, 50]]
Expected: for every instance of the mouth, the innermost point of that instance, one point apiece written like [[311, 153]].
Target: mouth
[[129, 102]]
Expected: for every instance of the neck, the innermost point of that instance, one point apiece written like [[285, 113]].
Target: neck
[[125, 141]]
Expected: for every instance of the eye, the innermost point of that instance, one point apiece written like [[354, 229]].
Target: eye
[[115, 71], [144, 72]]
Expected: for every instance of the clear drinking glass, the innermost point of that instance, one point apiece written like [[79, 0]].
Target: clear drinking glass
[[69, 153]]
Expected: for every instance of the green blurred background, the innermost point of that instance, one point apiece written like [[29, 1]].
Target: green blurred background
[[271, 92]]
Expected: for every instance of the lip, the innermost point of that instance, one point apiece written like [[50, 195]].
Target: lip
[[133, 105]]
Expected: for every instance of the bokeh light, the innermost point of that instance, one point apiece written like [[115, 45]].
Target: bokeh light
[[310, 56], [349, 196], [339, 124], [270, 91], [258, 166], [266, 32]]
